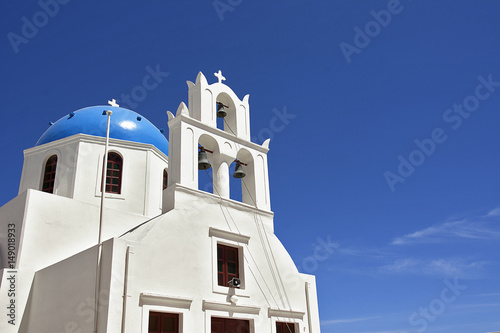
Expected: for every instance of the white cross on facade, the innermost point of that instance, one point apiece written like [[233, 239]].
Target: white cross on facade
[[113, 102], [219, 76]]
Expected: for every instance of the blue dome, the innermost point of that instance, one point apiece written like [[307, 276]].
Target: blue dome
[[125, 125]]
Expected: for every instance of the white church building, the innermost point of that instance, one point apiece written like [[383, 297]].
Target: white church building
[[158, 253]]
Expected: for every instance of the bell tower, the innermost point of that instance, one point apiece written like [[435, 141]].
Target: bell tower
[[194, 129]]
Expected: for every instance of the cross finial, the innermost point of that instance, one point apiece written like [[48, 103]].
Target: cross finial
[[113, 102], [219, 76]]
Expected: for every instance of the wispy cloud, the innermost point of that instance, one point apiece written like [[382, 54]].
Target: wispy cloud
[[454, 267], [494, 212], [368, 323], [481, 305], [363, 252], [488, 295], [401, 265], [469, 228]]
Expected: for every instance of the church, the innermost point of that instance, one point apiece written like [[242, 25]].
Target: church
[[157, 252]]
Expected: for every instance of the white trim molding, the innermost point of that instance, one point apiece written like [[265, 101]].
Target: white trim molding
[[164, 300], [216, 306], [286, 313], [228, 235]]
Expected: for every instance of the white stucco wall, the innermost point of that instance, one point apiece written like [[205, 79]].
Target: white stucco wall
[[172, 268], [62, 297], [174, 259], [55, 227], [79, 170]]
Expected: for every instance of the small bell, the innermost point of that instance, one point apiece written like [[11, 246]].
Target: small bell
[[238, 171], [221, 113], [203, 163]]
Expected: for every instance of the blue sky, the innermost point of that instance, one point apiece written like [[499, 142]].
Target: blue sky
[[384, 117]]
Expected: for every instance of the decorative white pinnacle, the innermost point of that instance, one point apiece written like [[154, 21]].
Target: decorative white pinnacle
[[219, 76], [113, 102]]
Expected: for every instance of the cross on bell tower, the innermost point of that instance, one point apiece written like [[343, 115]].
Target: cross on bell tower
[[196, 126], [219, 76]]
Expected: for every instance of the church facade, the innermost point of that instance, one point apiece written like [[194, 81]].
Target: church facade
[[158, 253]]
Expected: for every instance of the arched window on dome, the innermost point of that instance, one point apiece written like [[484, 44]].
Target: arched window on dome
[[49, 174], [114, 173], [165, 178]]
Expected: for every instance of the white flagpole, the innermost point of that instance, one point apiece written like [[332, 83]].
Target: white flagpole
[[99, 245]]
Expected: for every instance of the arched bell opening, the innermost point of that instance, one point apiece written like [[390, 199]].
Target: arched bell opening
[[243, 178], [225, 111], [208, 150], [236, 170]]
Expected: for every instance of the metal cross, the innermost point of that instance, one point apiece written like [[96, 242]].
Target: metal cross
[[219, 76], [113, 102]]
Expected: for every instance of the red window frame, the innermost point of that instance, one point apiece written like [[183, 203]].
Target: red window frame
[[282, 327], [114, 173], [49, 174], [160, 322], [223, 325], [165, 179], [227, 264]]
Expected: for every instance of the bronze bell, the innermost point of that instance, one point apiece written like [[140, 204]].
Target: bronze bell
[[221, 113], [238, 171], [203, 163]]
